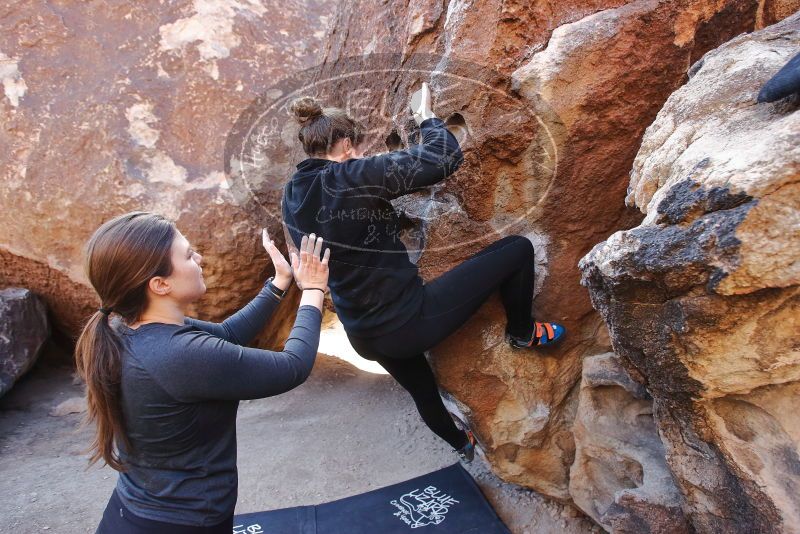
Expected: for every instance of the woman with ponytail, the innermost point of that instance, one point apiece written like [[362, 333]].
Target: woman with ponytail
[[389, 313], [163, 389]]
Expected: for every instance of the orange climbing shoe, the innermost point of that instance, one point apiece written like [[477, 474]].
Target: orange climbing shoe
[[544, 334]]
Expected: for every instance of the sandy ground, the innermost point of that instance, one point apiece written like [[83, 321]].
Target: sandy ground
[[343, 432]]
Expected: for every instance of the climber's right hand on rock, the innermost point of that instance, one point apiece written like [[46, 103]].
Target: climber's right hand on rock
[[310, 268], [421, 104]]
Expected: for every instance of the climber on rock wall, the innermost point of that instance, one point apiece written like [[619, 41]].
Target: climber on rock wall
[[389, 313]]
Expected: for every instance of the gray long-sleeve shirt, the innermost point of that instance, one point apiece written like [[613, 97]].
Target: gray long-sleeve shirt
[[181, 386]]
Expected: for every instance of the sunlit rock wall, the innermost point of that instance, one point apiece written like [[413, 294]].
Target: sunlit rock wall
[[109, 107], [703, 297], [551, 134]]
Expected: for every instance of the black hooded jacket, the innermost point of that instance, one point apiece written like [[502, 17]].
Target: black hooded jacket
[[374, 286]]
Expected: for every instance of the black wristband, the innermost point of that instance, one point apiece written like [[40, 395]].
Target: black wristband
[[275, 290], [317, 288]]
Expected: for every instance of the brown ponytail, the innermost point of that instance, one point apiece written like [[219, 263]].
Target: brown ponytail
[[120, 259], [320, 127]]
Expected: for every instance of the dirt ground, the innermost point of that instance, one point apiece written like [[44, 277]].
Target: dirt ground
[[345, 431]]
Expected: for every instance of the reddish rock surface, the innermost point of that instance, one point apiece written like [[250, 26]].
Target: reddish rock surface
[[111, 107], [552, 135]]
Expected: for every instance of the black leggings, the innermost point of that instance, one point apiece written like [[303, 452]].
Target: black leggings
[[449, 300], [117, 519]]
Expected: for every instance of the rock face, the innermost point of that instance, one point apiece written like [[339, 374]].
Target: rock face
[[552, 132], [703, 298], [24, 329], [620, 477], [111, 107]]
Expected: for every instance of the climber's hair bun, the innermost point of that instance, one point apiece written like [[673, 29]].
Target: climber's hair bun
[[305, 109], [321, 128]]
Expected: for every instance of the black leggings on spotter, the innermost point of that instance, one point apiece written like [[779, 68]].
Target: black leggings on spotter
[[449, 300], [117, 519]]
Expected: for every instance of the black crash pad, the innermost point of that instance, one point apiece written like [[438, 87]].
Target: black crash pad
[[443, 502]]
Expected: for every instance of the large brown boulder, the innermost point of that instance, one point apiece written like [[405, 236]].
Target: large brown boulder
[[551, 133], [703, 298], [24, 329], [111, 107]]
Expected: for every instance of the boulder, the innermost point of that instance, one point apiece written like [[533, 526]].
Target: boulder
[[702, 299], [554, 99], [110, 107], [24, 329], [620, 477]]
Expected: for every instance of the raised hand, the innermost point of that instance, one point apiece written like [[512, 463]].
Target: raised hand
[[421, 104], [311, 270], [283, 271]]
